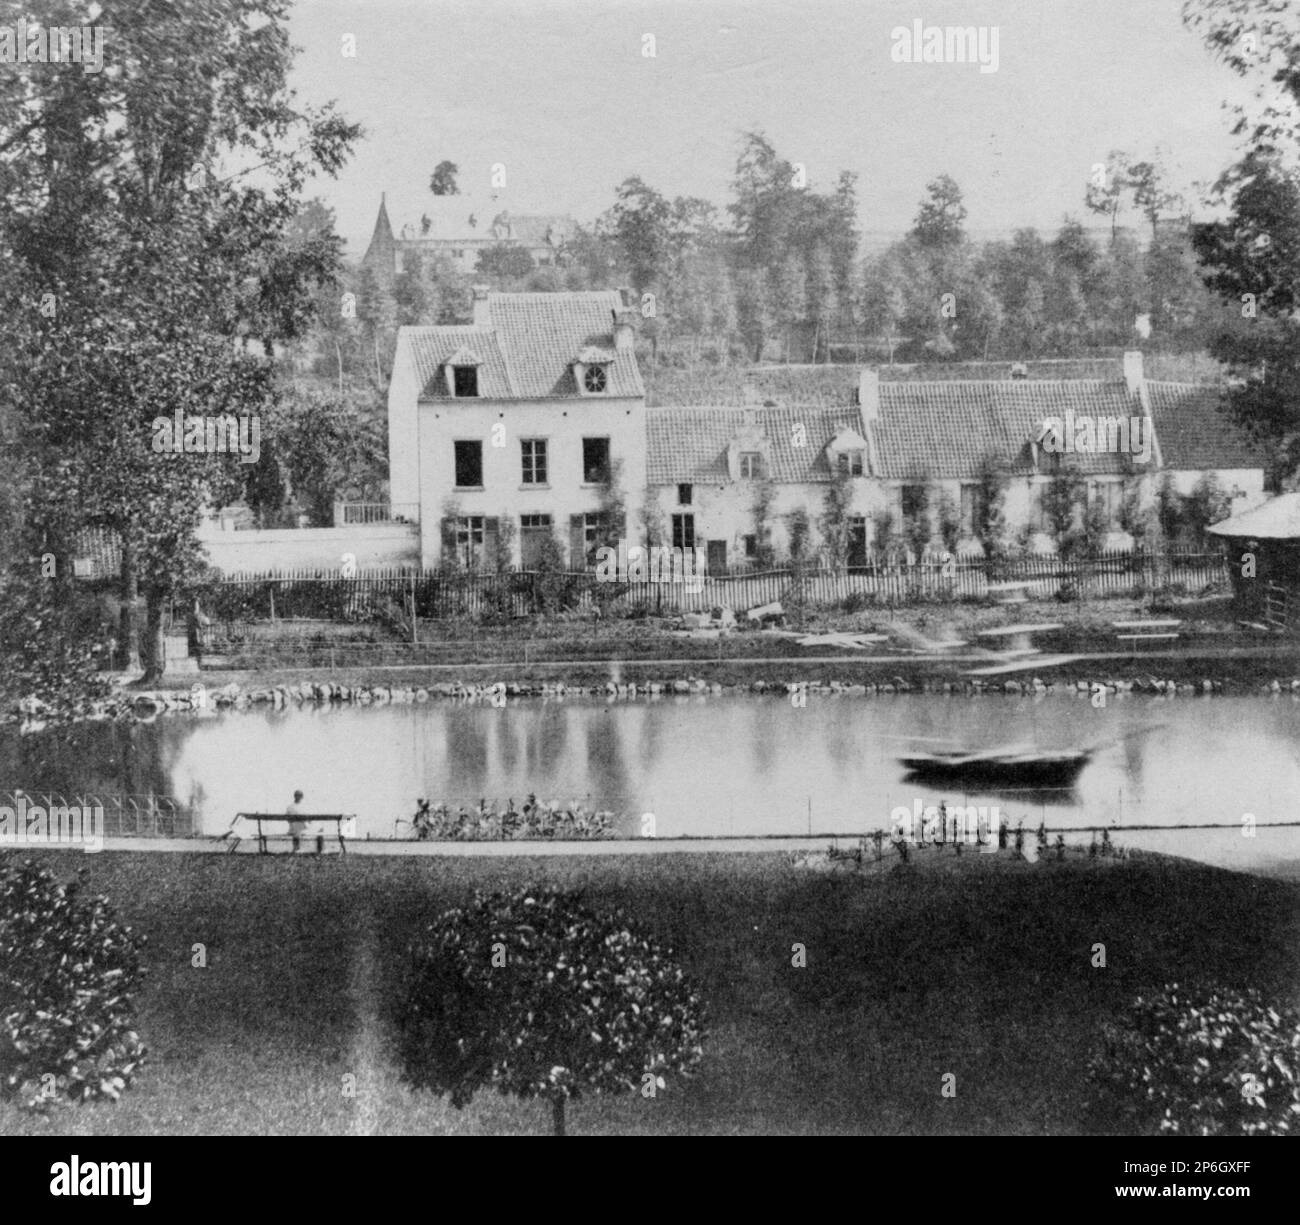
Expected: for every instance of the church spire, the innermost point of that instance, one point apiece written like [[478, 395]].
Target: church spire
[[382, 252]]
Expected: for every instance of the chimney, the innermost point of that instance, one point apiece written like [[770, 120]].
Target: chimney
[[1133, 370], [627, 296], [868, 394], [482, 315], [623, 328]]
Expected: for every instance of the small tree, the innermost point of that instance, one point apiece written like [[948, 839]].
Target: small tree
[[536, 995], [764, 553], [68, 970], [1063, 496], [834, 521], [949, 522], [1208, 503]]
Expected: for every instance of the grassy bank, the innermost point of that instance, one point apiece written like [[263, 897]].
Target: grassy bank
[[980, 967]]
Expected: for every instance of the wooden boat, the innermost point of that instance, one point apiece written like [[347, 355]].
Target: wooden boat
[[1001, 767]]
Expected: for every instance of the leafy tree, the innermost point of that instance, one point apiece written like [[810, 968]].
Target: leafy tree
[[68, 971], [939, 219], [168, 269], [1105, 191], [505, 262], [443, 182], [536, 995]]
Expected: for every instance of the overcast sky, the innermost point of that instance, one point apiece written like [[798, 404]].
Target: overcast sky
[[560, 93]]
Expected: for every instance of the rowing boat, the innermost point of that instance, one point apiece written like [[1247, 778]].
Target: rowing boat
[[1001, 767]]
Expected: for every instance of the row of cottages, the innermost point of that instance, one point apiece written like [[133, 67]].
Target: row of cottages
[[530, 409], [459, 228]]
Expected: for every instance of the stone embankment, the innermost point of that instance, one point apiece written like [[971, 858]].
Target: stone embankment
[[147, 705]]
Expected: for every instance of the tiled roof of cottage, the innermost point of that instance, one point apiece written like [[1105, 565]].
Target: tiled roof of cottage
[[945, 430], [528, 350], [690, 444], [1276, 519], [1196, 429]]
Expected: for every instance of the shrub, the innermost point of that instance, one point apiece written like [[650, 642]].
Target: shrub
[[68, 969], [537, 995], [1200, 1061]]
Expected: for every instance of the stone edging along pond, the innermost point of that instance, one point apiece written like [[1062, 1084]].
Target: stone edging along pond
[[148, 704]]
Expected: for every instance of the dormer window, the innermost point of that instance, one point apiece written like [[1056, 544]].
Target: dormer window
[[591, 371], [751, 465], [461, 370], [851, 463]]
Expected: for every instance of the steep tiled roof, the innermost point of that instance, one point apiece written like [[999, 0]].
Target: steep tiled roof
[[944, 430], [528, 350], [1277, 519], [690, 444], [1196, 430]]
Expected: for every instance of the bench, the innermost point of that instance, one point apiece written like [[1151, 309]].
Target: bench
[[1170, 624], [339, 819], [1010, 593]]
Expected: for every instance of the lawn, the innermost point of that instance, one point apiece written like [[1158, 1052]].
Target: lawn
[[979, 966]]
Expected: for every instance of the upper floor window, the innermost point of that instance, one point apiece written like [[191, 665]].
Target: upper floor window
[[534, 457], [751, 465], [469, 464], [684, 493], [595, 380], [464, 381], [595, 460]]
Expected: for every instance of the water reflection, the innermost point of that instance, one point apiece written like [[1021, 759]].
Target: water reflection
[[702, 765]]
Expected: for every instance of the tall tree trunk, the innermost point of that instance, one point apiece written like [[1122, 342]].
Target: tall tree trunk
[[128, 645], [154, 653], [557, 1113]]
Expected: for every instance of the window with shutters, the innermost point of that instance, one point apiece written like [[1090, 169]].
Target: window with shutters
[[471, 533], [586, 534]]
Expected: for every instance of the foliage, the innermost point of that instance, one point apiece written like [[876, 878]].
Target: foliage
[[443, 180], [538, 996], [505, 262], [68, 970], [46, 655], [834, 521], [1203, 1061]]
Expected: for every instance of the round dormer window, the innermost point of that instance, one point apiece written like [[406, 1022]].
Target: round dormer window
[[594, 379]]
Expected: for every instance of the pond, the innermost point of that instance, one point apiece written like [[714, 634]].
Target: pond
[[709, 765]]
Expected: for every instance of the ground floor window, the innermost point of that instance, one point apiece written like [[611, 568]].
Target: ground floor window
[[586, 534], [471, 540], [857, 542], [534, 532], [1109, 495], [683, 531]]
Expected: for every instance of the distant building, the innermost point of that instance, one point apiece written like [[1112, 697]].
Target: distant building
[[458, 228]]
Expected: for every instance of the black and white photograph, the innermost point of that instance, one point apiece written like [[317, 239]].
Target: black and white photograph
[[642, 568]]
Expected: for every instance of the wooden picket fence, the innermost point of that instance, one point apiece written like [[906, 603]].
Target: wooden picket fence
[[388, 597]]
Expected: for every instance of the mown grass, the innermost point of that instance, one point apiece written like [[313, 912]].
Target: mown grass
[[979, 966]]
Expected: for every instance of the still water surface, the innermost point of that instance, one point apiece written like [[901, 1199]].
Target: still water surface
[[712, 765]]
